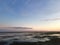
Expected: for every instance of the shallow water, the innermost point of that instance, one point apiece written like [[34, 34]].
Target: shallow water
[[26, 37]]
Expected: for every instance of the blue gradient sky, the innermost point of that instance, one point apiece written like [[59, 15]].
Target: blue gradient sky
[[38, 14]]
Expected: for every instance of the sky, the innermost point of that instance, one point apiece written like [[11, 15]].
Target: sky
[[37, 14]]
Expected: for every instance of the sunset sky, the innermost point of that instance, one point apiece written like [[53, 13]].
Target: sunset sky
[[37, 14]]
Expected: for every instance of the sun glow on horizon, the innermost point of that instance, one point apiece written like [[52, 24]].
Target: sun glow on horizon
[[52, 26]]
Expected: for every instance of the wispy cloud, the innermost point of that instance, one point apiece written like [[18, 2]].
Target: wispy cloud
[[14, 29], [19, 27], [51, 19]]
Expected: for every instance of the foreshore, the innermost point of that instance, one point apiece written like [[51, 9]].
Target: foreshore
[[55, 41]]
